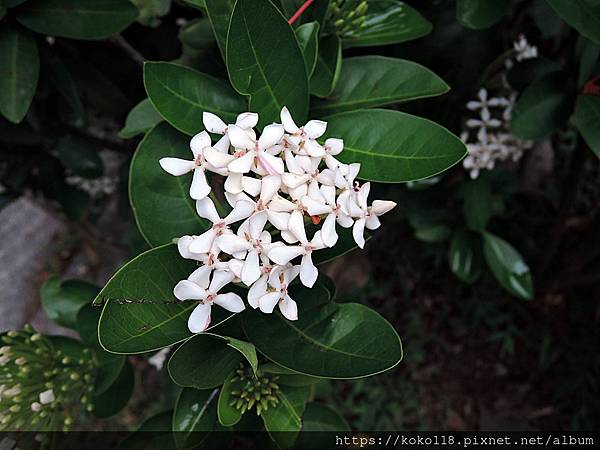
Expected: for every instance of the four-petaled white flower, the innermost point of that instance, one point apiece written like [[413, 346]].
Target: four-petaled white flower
[[280, 185], [200, 287]]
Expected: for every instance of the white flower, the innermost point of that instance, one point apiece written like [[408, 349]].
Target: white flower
[[47, 397], [280, 279], [197, 287], [524, 49], [200, 146], [275, 183]]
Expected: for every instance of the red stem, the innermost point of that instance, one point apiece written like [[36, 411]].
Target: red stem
[[298, 13]]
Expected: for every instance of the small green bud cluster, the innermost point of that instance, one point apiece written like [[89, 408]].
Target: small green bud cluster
[[346, 17], [250, 390], [41, 388]]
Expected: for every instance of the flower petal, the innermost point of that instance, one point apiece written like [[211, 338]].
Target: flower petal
[[213, 123], [243, 164], [251, 271], [199, 142], [279, 220], [273, 165], [222, 144], [315, 128], [199, 188], [247, 120], [287, 121], [314, 207], [239, 138], [176, 166], [233, 183], [290, 274], [203, 243], [201, 276], [380, 207], [268, 301], [216, 157], [251, 185], [328, 233], [280, 204], [207, 210], [288, 308], [358, 232], [270, 136], [188, 290], [199, 320], [256, 224], [285, 253], [308, 271], [231, 243], [269, 187], [373, 222], [296, 226], [230, 301], [242, 210], [334, 146], [220, 279], [257, 290]]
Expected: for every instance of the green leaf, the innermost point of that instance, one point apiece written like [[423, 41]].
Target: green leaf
[[155, 433], [246, 349], [328, 67], [62, 300], [140, 119], [508, 266], [161, 321], [150, 11], [286, 415], [160, 202], [313, 345], [344, 245], [316, 13], [204, 361], [480, 14], [197, 34], [308, 38], [478, 203], [583, 15], [76, 19], [369, 81], [288, 377], [181, 95], [265, 61], [393, 146], [219, 13], [19, 71], [388, 22], [542, 108], [194, 417], [587, 120], [526, 72], [228, 414], [79, 156], [465, 257], [319, 417], [433, 233], [111, 401], [587, 52]]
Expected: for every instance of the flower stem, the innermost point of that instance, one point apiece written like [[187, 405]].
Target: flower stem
[[298, 13]]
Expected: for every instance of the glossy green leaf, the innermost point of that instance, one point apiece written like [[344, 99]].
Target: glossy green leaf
[[480, 14], [478, 204], [308, 38], [393, 146], [62, 300], [319, 417], [140, 119], [328, 67], [288, 377], [19, 71], [465, 257], [587, 121], [219, 13], [160, 202], [265, 61], [508, 266], [114, 399], [588, 54], [77, 19], [314, 346], [197, 34], [79, 156], [370, 81], [526, 72], [388, 22], [246, 349], [203, 362], [150, 11], [317, 12], [286, 415], [181, 95], [194, 417], [141, 313], [583, 15], [542, 108], [228, 414]]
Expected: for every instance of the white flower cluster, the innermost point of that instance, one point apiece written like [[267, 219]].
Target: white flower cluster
[[487, 136], [275, 184]]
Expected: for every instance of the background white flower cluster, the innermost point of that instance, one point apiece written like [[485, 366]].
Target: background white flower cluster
[[275, 184], [488, 135]]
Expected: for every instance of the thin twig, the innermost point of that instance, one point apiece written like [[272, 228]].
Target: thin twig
[[120, 42]]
